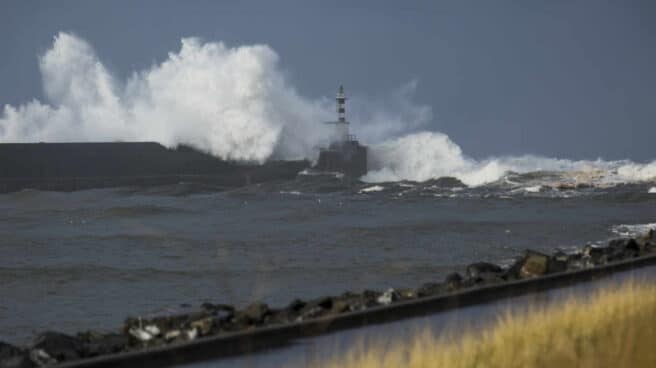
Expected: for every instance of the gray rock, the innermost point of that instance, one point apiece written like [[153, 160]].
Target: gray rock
[[646, 242], [617, 249], [582, 260], [281, 316], [560, 256], [95, 343], [480, 269], [622, 249], [483, 273], [310, 313], [388, 297], [356, 301], [203, 326], [140, 335], [558, 262], [40, 358], [512, 272], [59, 346], [172, 335], [595, 255], [369, 297], [13, 357], [430, 289], [315, 308], [485, 279], [340, 305], [158, 330], [534, 265], [453, 281], [324, 302], [407, 293], [296, 305], [220, 311], [8, 351], [253, 314]]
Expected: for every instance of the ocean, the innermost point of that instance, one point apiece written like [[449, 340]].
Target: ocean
[[89, 259]]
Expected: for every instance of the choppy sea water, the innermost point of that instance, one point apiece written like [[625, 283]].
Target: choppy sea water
[[87, 259]]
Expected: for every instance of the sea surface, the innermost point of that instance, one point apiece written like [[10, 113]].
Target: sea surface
[[88, 259]]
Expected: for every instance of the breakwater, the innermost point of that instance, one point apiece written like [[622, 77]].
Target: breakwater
[[76, 166]]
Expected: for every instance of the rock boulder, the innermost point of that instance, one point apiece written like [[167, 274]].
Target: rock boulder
[[59, 346], [253, 314], [13, 357], [480, 269], [453, 281], [534, 264]]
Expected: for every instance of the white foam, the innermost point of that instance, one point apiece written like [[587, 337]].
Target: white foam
[[633, 229], [375, 188], [293, 192], [533, 189], [312, 172], [637, 172]]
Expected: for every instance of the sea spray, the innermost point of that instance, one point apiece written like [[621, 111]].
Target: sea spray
[[231, 102]]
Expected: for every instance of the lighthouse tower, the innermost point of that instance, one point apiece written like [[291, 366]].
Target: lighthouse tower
[[344, 154], [341, 125]]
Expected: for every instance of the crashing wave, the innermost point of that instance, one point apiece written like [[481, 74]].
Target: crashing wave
[[427, 155]]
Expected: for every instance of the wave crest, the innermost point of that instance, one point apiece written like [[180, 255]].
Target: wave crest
[[429, 155]]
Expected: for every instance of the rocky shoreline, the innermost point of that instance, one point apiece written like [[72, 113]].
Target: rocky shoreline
[[137, 334]]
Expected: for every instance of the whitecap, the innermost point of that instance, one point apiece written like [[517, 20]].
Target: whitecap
[[429, 155], [533, 189], [633, 229], [375, 188]]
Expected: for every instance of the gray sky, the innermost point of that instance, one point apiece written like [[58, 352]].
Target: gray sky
[[571, 78]]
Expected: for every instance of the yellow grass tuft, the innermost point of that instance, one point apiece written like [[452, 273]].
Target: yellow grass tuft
[[614, 327]]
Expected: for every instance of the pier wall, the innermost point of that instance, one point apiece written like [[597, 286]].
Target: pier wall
[[73, 166]]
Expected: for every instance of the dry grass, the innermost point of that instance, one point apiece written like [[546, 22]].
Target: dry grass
[[614, 327]]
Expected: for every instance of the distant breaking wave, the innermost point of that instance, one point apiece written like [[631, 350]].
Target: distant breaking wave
[[235, 103], [428, 155]]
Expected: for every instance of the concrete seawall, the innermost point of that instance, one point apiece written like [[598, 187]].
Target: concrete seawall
[[75, 166]]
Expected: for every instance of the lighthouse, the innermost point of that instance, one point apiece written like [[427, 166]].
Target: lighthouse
[[341, 125], [344, 154]]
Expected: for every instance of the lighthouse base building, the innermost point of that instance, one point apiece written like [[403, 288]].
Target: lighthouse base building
[[349, 158], [345, 154]]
